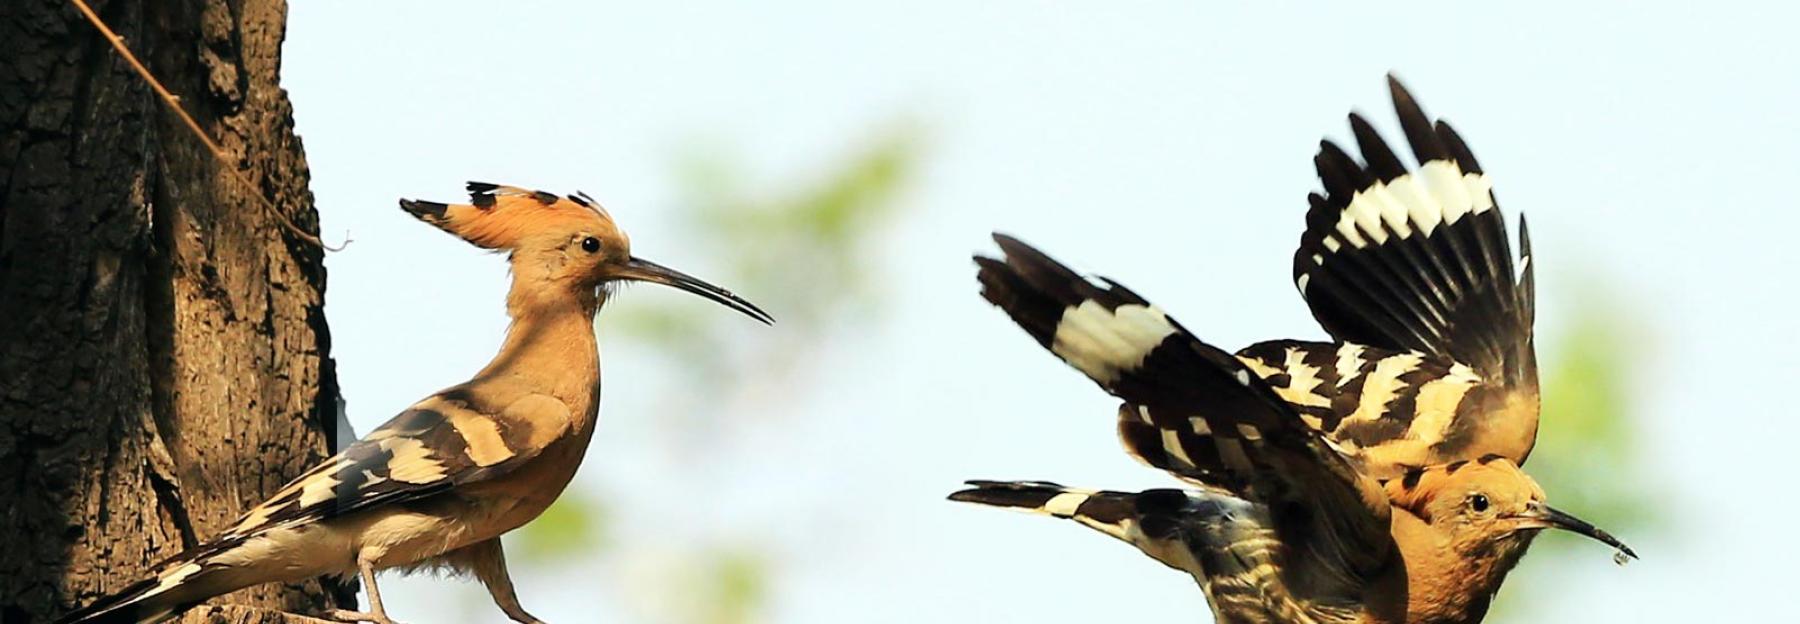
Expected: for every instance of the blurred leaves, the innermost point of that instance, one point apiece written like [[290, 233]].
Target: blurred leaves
[[804, 253], [729, 587], [812, 245], [808, 252], [575, 525], [1587, 456]]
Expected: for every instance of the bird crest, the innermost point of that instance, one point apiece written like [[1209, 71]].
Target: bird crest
[[508, 217]]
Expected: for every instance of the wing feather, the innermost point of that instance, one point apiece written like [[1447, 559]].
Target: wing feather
[[1418, 260], [453, 438], [1389, 410], [1197, 411]]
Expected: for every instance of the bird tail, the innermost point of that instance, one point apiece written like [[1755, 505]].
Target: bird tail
[[1167, 524], [1108, 512], [1130, 516], [181, 582], [1203, 533]]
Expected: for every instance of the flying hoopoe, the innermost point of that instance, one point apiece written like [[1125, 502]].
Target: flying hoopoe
[[1374, 479], [435, 487]]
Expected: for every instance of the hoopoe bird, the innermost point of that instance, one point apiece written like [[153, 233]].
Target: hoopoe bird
[[1372, 479], [437, 486]]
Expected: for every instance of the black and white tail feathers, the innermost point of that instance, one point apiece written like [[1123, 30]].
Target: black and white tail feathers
[[1417, 260], [1159, 522], [1111, 513], [1226, 544], [181, 582]]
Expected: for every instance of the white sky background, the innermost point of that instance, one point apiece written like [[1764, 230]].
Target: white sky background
[[1167, 144]]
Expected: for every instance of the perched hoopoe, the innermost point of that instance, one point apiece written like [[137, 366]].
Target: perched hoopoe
[[1375, 479], [435, 487]]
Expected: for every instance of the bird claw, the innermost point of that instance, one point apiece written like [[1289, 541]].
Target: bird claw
[[353, 617]]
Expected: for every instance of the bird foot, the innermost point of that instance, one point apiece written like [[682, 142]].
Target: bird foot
[[352, 617]]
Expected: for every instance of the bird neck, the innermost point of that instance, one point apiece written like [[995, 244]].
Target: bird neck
[[550, 345], [1449, 580]]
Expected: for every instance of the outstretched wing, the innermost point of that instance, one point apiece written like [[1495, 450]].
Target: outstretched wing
[[453, 438], [1196, 411], [1396, 261]]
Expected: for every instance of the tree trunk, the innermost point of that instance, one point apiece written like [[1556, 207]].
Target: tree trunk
[[164, 359]]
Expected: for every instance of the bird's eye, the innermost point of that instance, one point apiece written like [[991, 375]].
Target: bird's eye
[[1479, 503], [590, 244]]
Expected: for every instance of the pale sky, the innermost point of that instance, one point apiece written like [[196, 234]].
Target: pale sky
[[1167, 144]]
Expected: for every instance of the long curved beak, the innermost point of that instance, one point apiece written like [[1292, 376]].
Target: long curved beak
[[639, 269], [1541, 516]]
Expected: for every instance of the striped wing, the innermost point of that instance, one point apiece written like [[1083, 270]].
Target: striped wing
[[1196, 411], [1390, 410], [1225, 543], [1401, 260], [452, 438], [457, 437]]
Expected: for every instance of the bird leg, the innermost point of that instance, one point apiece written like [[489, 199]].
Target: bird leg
[[365, 569], [488, 563]]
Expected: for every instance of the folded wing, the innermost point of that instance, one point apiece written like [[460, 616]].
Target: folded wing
[[453, 438]]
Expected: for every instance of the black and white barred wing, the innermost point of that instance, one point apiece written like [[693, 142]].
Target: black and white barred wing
[[1195, 410], [1391, 410], [1414, 267], [453, 438]]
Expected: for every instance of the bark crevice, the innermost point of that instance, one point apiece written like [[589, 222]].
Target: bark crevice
[[164, 361]]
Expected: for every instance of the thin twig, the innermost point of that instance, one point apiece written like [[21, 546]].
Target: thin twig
[[174, 103]]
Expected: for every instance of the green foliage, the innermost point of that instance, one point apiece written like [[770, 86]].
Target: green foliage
[[575, 525], [807, 255], [805, 252], [1587, 456], [731, 588], [1587, 452]]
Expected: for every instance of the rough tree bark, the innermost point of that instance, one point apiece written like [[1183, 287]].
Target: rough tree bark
[[164, 359]]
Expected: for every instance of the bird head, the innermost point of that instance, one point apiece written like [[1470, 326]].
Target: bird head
[[558, 244], [1488, 506]]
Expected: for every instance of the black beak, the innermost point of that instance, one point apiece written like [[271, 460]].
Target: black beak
[[1541, 516], [639, 269]]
